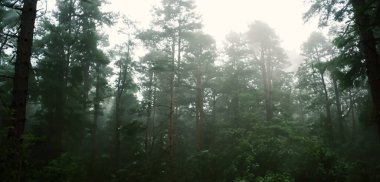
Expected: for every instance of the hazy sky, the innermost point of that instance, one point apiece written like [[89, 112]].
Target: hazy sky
[[222, 16]]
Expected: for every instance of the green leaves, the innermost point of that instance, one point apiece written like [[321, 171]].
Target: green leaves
[[64, 168], [9, 19], [328, 10]]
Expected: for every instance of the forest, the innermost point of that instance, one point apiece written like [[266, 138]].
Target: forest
[[74, 107]]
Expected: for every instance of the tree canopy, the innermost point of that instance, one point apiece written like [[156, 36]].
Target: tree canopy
[[170, 104]]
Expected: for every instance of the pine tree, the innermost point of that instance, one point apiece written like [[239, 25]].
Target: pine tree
[[173, 20], [265, 50], [20, 89], [201, 55]]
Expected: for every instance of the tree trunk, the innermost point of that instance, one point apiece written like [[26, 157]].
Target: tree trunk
[[199, 108], [20, 88], [369, 50], [119, 92], [213, 106], [149, 114], [267, 99], [91, 172], [235, 95], [352, 108], [86, 85], [270, 89], [171, 109], [328, 122], [56, 125], [117, 135], [155, 134], [338, 109]]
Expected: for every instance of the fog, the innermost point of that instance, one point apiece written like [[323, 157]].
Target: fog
[[189, 90]]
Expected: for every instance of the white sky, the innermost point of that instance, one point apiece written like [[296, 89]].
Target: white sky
[[222, 16]]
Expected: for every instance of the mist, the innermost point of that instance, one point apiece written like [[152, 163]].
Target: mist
[[189, 90]]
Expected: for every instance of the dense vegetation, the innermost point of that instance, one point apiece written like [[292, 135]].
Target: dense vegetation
[[75, 109]]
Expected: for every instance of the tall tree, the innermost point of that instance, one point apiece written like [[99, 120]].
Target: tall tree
[[101, 73], [151, 82], [368, 47], [20, 87], [363, 17], [124, 88], [236, 67], [9, 28], [201, 52], [173, 20], [317, 51], [69, 54], [266, 51]]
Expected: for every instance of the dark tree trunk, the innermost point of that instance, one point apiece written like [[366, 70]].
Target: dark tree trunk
[[155, 132], [171, 109], [86, 85], [338, 109], [120, 87], [56, 122], [179, 55], [56, 125], [369, 50], [213, 106], [148, 126], [117, 135], [352, 108], [94, 142], [199, 107], [20, 88], [328, 122]]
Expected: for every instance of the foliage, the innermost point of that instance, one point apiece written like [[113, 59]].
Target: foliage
[[64, 168], [188, 110]]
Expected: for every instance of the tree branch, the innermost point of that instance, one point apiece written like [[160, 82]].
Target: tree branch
[[6, 76], [8, 35], [11, 5]]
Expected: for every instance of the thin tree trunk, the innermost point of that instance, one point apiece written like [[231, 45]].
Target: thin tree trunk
[[20, 89], [328, 122], [179, 56], [154, 135], [121, 87], [199, 108], [86, 85], [149, 113], [264, 72], [171, 109], [235, 96], [338, 109], [352, 107], [95, 124], [118, 97], [270, 89], [369, 50], [213, 107], [117, 135], [56, 125]]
